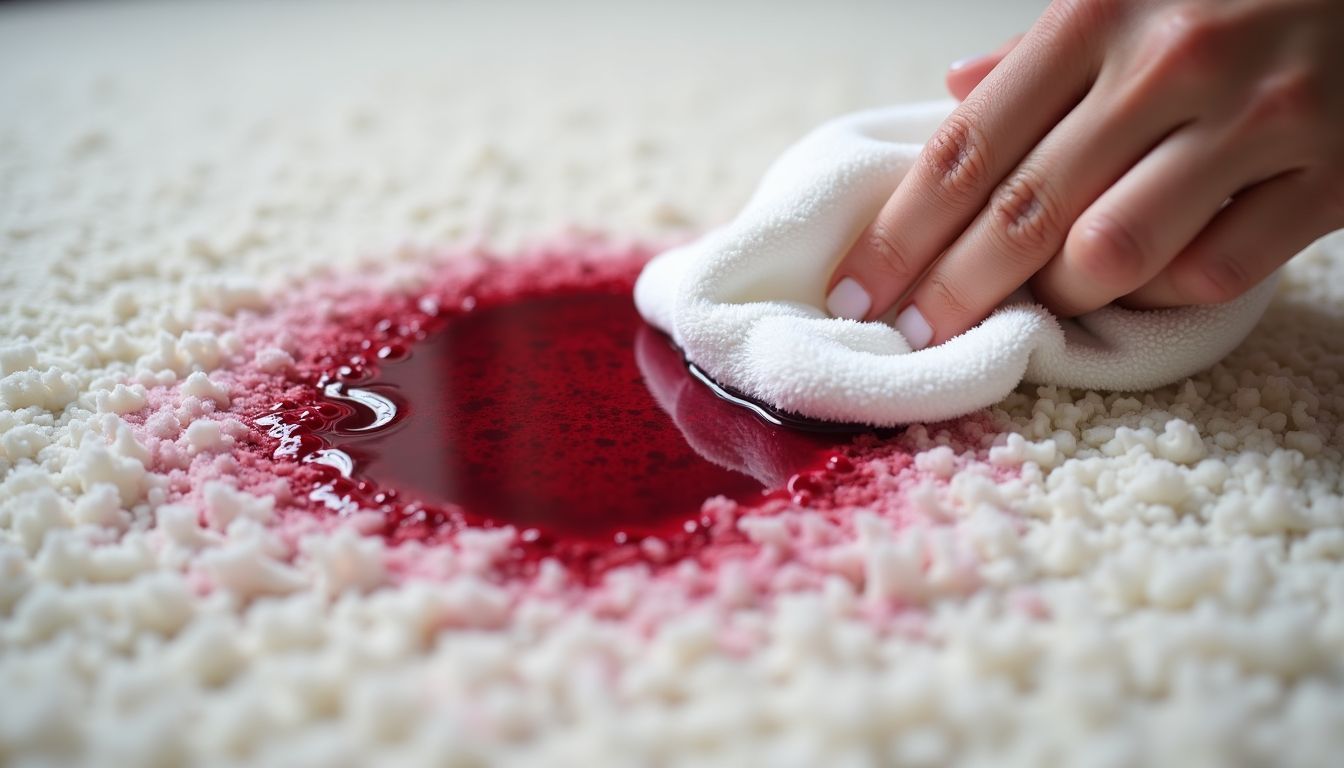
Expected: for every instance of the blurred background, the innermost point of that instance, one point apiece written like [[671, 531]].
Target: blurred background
[[425, 121]]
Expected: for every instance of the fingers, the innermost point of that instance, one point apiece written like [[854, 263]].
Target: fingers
[[964, 75], [1030, 214], [1257, 232], [1147, 217], [1035, 84]]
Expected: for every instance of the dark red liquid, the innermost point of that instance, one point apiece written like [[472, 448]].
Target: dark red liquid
[[536, 414], [558, 412]]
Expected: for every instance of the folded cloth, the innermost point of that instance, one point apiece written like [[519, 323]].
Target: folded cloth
[[746, 302]]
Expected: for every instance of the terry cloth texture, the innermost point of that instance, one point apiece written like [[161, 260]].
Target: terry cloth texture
[[746, 302]]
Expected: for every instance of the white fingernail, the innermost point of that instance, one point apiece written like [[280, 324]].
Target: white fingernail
[[965, 62], [912, 325], [849, 300]]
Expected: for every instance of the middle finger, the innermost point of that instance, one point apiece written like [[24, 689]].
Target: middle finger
[[1029, 215], [1038, 82]]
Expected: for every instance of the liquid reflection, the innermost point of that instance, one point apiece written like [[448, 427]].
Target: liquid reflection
[[534, 413], [378, 410], [564, 414], [730, 435]]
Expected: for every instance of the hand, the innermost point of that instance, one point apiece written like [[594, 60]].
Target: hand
[[1156, 152]]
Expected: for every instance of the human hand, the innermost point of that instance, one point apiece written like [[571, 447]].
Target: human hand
[[1156, 152]]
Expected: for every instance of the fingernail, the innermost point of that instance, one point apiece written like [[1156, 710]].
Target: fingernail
[[912, 325], [849, 300], [965, 62]]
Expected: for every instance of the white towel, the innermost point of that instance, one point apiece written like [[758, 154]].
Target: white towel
[[746, 302]]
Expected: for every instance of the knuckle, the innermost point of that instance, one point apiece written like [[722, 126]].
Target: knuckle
[[887, 253], [1188, 39], [1027, 216], [955, 161], [1107, 251], [1294, 96], [948, 297]]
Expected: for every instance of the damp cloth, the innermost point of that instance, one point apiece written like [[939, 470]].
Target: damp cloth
[[746, 302]]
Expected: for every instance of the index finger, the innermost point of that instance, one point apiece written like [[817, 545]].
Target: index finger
[[983, 139]]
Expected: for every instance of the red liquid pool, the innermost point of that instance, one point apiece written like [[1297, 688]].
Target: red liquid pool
[[556, 411]]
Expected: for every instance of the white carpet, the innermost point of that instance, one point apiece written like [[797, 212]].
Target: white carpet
[[1090, 579]]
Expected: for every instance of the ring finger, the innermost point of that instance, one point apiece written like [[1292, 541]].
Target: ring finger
[[1248, 239], [1154, 211]]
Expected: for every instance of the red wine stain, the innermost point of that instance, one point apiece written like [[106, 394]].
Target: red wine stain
[[552, 408]]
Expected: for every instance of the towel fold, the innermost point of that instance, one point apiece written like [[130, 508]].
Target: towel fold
[[746, 302]]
